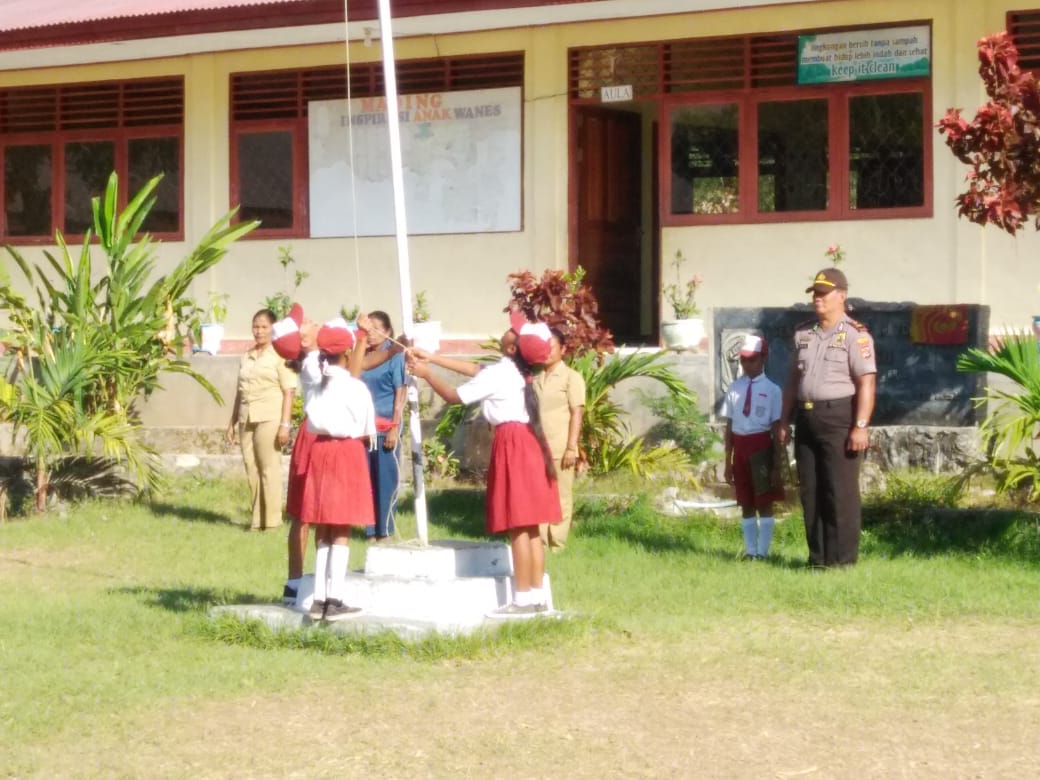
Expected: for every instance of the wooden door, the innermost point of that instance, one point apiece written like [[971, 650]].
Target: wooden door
[[608, 171]]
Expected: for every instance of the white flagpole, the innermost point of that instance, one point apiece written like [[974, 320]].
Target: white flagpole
[[403, 264]]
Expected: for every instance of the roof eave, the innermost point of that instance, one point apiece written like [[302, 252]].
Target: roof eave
[[172, 24], [235, 18]]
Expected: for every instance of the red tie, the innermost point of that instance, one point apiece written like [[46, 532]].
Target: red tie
[[747, 400]]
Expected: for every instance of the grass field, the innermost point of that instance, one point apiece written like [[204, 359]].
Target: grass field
[[681, 661]]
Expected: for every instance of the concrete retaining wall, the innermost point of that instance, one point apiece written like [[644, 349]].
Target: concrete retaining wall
[[181, 419]]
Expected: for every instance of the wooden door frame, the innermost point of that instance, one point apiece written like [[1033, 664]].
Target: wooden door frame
[[574, 110]]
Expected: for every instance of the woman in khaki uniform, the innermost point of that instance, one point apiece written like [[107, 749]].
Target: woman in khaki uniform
[[561, 402], [260, 421]]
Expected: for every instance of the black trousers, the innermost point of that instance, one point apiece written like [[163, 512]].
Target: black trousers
[[828, 476]]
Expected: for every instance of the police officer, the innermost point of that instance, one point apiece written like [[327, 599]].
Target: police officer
[[829, 395]]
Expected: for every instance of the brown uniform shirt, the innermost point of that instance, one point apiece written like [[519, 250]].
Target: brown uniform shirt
[[558, 391], [828, 361], [262, 376]]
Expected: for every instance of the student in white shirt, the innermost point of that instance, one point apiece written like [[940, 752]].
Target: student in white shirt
[[293, 338], [752, 408], [521, 489], [337, 492]]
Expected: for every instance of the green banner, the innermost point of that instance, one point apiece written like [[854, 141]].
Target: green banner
[[864, 55]]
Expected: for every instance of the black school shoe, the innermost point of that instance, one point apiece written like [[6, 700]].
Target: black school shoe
[[288, 596], [317, 610], [337, 610]]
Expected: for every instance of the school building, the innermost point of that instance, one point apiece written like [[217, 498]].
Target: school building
[[748, 134]]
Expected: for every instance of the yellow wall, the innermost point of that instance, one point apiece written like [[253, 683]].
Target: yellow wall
[[942, 259]]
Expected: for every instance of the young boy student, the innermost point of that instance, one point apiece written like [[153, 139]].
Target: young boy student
[[752, 408]]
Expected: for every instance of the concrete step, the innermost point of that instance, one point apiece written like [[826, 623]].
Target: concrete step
[[448, 587]]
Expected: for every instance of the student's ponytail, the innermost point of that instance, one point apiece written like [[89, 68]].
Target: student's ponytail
[[533, 412]]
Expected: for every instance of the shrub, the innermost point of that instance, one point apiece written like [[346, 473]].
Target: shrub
[[682, 422], [438, 460], [92, 344], [917, 489], [562, 301]]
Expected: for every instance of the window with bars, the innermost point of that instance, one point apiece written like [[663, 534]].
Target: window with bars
[[746, 143], [269, 114], [59, 143], [1024, 28]]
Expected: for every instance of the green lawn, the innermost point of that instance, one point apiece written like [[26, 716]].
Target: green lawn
[[102, 617]]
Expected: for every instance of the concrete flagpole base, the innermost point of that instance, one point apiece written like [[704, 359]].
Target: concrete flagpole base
[[447, 587]]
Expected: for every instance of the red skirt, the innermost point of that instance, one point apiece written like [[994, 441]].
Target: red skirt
[[337, 490], [743, 478], [519, 492], [299, 463]]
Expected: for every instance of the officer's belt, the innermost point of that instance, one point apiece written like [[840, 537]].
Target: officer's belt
[[825, 404]]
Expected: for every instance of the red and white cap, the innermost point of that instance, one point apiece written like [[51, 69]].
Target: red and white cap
[[285, 334], [532, 338], [335, 337], [754, 345]]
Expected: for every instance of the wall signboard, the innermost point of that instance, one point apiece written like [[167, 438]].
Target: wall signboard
[[616, 94], [864, 55], [461, 160]]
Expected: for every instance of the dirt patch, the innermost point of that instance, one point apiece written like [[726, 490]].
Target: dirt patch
[[778, 700]]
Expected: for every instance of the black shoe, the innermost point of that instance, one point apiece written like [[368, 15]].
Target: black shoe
[[337, 610], [317, 610], [288, 596]]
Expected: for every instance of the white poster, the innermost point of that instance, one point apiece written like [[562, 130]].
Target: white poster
[[461, 160]]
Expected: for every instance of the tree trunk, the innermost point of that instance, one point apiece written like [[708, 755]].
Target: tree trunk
[[41, 489]]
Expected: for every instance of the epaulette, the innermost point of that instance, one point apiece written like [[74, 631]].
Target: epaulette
[[858, 326]]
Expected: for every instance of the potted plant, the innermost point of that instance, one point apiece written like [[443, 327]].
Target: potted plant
[[281, 301], [685, 330], [835, 254], [212, 330], [426, 332], [351, 314]]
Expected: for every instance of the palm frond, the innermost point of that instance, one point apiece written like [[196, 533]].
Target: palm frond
[[633, 455], [605, 435], [78, 477], [94, 345], [1012, 426]]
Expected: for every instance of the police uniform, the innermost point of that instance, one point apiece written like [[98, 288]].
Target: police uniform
[[828, 363]]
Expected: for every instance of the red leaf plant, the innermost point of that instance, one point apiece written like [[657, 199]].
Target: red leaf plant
[[562, 301], [1002, 142]]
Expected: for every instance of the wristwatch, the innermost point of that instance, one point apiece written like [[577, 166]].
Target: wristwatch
[[861, 423]]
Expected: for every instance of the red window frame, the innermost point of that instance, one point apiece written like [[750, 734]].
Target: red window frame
[[747, 70], [837, 97], [297, 130], [119, 135], [289, 112]]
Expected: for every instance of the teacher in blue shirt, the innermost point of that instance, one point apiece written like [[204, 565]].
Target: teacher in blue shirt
[[386, 382]]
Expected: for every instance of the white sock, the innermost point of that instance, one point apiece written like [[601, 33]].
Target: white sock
[[339, 558], [522, 598], [765, 535], [750, 528], [293, 583], [321, 572], [537, 596]]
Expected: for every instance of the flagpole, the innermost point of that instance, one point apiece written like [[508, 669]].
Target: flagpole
[[403, 263]]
